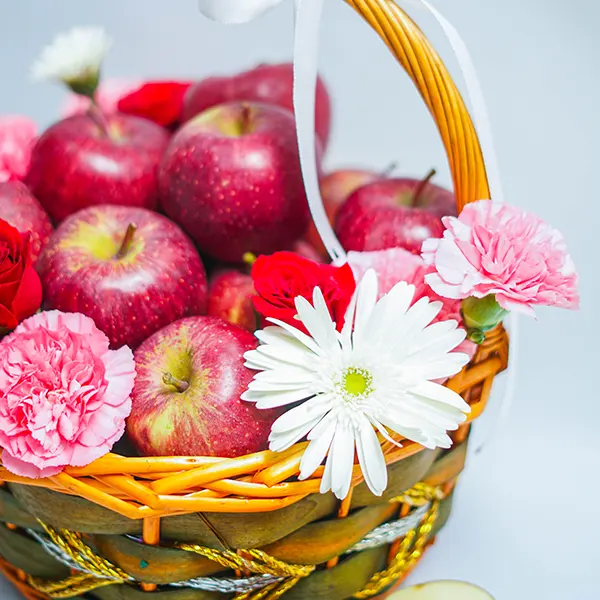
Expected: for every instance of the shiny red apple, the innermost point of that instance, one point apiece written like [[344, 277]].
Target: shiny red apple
[[131, 270], [78, 162], [19, 207], [306, 249], [186, 398], [271, 84], [230, 295], [231, 178], [388, 213], [335, 189]]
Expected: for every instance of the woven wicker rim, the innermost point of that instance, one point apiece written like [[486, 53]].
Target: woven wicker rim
[[149, 488]]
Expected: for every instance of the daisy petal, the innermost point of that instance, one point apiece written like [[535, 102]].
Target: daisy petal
[[312, 409], [371, 459], [316, 452], [342, 456]]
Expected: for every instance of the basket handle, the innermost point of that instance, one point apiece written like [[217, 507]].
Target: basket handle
[[429, 74]]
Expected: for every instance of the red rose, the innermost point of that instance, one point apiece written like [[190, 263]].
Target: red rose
[[20, 287], [158, 101], [283, 276]]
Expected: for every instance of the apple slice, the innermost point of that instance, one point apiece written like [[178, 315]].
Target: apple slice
[[442, 590]]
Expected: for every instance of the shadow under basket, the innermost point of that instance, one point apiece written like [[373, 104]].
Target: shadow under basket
[[204, 528]]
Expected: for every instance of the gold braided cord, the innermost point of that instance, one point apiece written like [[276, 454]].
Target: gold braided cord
[[72, 545], [255, 561], [70, 587], [419, 495], [271, 592], [405, 558]]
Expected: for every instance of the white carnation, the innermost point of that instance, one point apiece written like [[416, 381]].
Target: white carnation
[[73, 56]]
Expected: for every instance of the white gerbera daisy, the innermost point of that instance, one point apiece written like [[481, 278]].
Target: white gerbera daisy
[[74, 57], [376, 375]]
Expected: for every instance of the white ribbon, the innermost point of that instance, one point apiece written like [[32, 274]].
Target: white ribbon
[[235, 11], [308, 18]]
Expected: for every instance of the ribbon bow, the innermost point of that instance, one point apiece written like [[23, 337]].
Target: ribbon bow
[[235, 11]]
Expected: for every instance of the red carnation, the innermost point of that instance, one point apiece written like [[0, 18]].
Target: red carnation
[[158, 101], [20, 287], [280, 278]]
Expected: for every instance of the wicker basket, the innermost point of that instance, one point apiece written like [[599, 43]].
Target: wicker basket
[[247, 528]]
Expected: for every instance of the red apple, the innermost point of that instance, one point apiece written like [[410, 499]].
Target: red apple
[[186, 398], [392, 213], [76, 164], [230, 298], [231, 178], [19, 208], [306, 249], [335, 189], [131, 270], [271, 84]]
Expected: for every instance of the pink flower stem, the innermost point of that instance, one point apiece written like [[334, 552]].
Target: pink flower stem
[[481, 315]]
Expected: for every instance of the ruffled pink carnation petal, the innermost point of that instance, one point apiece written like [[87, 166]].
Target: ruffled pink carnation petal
[[64, 395], [501, 250], [397, 264], [108, 94], [17, 137]]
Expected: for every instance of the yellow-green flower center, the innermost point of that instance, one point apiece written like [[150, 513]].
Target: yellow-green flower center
[[356, 382]]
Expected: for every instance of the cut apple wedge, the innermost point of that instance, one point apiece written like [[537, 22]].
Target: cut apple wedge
[[442, 590]]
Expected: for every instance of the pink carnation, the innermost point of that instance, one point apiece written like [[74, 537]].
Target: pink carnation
[[398, 264], [64, 396], [108, 95], [498, 249], [17, 137]]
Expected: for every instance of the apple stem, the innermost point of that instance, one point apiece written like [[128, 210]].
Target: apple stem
[[178, 384], [246, 119], [389, 170], [127, 241], [422, 185]]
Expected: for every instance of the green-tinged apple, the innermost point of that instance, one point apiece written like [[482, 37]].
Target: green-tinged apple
[[186, 398], [20, 208], [231, 178], [230, 295], [397, 212], [131, 270], [442, 590], [271, 84], [79, 162]]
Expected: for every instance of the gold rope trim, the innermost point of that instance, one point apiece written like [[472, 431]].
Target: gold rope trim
[[72, 545], [70, 587], [419, 495], [256, 561], [405, 558]]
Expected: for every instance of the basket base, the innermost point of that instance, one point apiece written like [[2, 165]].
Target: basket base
[[18, 579]]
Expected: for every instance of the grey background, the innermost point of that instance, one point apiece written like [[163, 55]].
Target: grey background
[[525, 523]]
